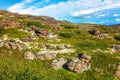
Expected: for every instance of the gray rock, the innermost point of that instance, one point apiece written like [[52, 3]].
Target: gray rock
[[59, 64], [29, 55], [46, 56]]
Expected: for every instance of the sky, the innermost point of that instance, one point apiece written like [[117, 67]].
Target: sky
[[77, 11]]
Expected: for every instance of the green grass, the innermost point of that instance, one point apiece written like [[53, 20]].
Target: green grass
[[13, 66], [14, 33]]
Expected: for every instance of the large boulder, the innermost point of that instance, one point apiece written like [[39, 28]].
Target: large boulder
[[79, 64], [59, 64], [29, 55]]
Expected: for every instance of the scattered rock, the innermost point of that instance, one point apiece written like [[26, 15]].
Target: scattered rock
[[59, 64], [29, 55], [80, 64]]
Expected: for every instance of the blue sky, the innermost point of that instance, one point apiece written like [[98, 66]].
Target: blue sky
[[77, 11]]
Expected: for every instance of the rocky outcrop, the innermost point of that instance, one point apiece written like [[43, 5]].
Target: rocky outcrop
[[13, 43], [80, 64], [99, 34]]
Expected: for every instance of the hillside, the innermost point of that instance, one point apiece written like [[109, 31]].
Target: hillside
[[42, 48]]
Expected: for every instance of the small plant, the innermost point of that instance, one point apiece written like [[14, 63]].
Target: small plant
[[66, 34], [117, 37], [34, 23]]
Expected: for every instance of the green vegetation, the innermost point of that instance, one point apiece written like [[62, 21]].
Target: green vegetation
[[14, 33], [66, 34], [35, 23], [13, 66], [117, 37]]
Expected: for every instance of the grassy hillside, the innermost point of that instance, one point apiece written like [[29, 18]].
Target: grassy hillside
[[13, 65]]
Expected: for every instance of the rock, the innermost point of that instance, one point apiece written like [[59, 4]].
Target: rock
[[99, 34], [29, 55], [59, 64], [41, 45], [46, 56], [115, 48], [103, 36], [80, 64], [94, 32], [51, 47], [117, 72], [6, 45]]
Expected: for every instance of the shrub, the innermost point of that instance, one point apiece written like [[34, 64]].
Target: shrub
[[1, 29], [66, 34], [117, 37], [34, 23]]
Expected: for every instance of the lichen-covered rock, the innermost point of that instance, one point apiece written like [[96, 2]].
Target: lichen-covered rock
[[59, 64], [46, 56], [29, 55], [80, 64]]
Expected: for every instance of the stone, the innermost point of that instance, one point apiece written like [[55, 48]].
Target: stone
[[117, 72], [6, 45], [94, 32], [47, 56], [115, 48], [103, 36], [29, 55], [99, 34], [79, 64], [59, 64]]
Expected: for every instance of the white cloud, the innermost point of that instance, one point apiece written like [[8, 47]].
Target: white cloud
[[117, 19], [68, 8], [116, 15], [93, 10]]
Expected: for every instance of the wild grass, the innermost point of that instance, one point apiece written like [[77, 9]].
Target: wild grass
[[13, 66]]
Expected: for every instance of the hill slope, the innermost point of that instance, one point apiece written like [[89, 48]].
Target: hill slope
[[36, 47]]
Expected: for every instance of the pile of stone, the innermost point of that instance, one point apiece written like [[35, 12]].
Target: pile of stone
[[99, 34], [13, 43], [80, 64], [115, 48], [117, 72], [50, 51]]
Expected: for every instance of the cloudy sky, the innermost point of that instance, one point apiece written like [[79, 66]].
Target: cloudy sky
[[77, 11]]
